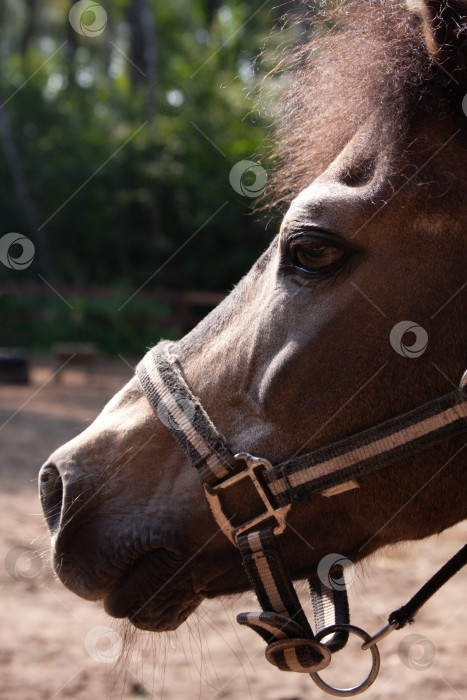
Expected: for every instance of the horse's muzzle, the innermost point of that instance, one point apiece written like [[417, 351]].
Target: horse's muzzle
[[131, 563]]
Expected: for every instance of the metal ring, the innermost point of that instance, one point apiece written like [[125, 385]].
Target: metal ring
[[345, 692]]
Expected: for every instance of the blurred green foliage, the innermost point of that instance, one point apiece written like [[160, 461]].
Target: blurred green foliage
[[38, 324], [79, 106], [124, 141]]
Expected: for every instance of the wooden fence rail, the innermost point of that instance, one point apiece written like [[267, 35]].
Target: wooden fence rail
[[189, 306]]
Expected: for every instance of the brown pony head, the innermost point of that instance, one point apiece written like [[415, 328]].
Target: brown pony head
[[372, 155]]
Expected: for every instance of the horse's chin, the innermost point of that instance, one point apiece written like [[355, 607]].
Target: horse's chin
[[155, 593], [152, 619]]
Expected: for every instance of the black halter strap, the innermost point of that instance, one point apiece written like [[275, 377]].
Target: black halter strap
[[369, 450], [292, 645]]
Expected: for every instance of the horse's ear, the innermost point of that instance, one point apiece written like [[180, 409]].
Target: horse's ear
[[445, 28]]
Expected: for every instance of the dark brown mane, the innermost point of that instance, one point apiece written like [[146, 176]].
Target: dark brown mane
[[373, 63]]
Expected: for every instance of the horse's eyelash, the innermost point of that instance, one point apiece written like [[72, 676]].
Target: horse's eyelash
[[326, 238]]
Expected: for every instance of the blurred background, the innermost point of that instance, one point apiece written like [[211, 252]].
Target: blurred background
[[120, 124]]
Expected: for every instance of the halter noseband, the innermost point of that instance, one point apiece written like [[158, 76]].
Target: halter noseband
[[292, 645]]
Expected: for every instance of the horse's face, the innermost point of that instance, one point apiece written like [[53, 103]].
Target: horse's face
[[298, 355]]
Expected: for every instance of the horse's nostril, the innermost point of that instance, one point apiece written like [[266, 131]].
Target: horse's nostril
[[51, 492]]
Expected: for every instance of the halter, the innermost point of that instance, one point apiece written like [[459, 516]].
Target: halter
[[291, 643]]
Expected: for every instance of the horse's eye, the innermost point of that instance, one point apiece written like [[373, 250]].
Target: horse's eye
[[315, 256]]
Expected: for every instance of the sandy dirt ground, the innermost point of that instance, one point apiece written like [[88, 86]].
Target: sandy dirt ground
[[54, 645]]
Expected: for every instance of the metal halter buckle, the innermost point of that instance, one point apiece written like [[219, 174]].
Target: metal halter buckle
[[213, 498]]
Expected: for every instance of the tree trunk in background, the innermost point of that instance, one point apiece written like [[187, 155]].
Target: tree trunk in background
[[211, 8], [143, 49], [30, 26], [2, 14], [28, 205], [70, 48], [109, 38]]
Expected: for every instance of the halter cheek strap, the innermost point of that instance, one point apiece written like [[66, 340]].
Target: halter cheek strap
[[292, 645], [282, 624], [182, 413]]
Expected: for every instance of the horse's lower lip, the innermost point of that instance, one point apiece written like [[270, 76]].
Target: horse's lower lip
[[154, 594]]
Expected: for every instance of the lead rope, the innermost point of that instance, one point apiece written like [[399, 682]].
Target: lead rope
[[399, 618], [292, 645]]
